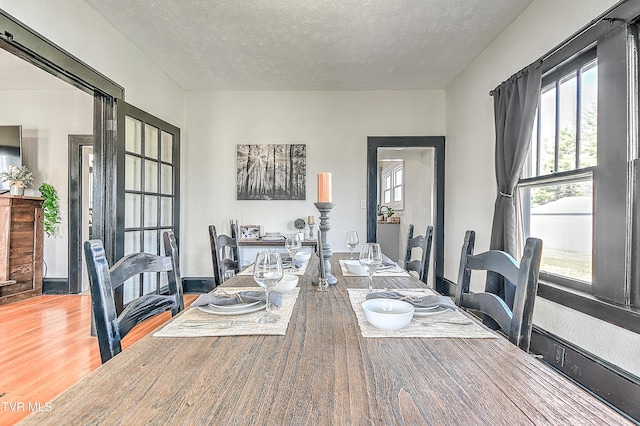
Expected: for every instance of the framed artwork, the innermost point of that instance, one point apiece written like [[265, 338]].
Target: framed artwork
[[249, 232], [271, 172]]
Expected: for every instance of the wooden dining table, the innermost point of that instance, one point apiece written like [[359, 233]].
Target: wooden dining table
[[324, 372]]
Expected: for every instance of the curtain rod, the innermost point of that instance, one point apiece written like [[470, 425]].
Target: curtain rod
[[605, 16]]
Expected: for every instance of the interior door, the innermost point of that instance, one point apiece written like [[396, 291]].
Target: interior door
[[148, 187]]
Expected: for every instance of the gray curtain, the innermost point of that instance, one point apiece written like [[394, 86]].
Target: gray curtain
[[515, 104]]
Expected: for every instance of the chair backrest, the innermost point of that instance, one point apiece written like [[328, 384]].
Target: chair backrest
[[224, 254], [515, 323], [111, 328], [173, 275], [421, 266]]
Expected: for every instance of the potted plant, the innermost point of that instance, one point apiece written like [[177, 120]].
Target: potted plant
[[19, 178], [390, 213], [50, 207], [299, 225]]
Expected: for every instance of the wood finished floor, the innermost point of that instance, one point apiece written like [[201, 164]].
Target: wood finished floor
[[46, 346]]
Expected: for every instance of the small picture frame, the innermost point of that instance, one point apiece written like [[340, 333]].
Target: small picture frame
[[249, 232]]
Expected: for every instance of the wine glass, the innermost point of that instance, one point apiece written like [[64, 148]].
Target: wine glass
[[293, 243], [370, 260], [267, 272], [352, 241]]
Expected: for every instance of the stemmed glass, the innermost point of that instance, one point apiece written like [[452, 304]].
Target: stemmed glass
[[352, 241], [370, 260], [267, 272], [293, 243]]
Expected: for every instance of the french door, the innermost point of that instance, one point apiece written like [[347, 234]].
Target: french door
[[148, 180]]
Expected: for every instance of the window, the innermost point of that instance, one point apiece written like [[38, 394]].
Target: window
[[557, 189], [392, 177]]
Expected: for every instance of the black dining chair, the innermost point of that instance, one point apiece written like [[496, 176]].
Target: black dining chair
[[516, 321], [111, 328], [421, 265], [224, 254]]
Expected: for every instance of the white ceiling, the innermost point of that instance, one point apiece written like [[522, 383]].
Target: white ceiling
[[311, 44]]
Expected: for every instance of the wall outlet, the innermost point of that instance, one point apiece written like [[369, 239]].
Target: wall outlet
[[363, 204], [558, 357]]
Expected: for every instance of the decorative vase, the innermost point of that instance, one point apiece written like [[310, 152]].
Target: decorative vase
[[16, 190]]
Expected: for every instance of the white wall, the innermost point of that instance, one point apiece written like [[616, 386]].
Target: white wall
[[419, 197], [334, 125], [47, 118], [470, 182], [77, 28]]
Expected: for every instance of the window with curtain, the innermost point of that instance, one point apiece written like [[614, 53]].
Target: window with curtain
[[556, 190]]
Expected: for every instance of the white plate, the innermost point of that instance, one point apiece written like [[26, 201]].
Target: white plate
[[419, 312], [212, 309], [235, 306], [272, 238]]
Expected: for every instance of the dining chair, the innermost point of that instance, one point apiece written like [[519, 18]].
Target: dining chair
[[516, 321], [111, 328], [421, 265], [224, 253]]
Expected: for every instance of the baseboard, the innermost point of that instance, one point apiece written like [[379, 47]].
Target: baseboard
[[617, 387], [55, 286], [198, 284]]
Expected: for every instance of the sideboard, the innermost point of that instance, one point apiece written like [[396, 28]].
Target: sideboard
[[21, 237], [248, 249]]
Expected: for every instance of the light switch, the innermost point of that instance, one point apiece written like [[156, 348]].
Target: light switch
[[363, 204]]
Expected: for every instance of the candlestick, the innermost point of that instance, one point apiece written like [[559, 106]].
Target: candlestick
[[324, 187], [324, 209], [323, 284]]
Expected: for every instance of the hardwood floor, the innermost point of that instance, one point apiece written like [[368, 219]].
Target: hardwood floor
[[46, 346]]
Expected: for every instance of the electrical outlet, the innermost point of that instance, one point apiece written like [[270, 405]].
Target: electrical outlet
[[558, 355]]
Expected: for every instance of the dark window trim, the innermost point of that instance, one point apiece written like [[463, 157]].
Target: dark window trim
[[624, 317], [620, 316]]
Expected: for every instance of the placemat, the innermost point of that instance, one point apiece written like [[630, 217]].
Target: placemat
[[474, 330], [202, 324], [393, 272]]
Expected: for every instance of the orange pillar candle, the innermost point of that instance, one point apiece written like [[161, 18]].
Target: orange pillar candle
[[310, 220], [324, 187]]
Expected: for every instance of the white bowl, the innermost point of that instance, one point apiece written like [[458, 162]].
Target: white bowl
[[303, 256], [354, 267], [388, 314], [286, 284]]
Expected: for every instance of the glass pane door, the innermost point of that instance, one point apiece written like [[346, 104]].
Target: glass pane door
[[150, 192]]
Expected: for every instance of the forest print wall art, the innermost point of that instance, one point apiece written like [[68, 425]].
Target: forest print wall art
[[271, 172]]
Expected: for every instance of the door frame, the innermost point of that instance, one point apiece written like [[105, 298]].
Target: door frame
[[436, 142], [76, 142]]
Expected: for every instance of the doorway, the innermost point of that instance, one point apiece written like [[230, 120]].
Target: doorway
[[80, 208], [400, 143]]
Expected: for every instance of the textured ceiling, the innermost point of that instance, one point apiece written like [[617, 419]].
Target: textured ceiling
[[311, 44]]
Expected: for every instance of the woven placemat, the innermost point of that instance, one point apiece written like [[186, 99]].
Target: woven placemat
[[474, 330], [196, 323]]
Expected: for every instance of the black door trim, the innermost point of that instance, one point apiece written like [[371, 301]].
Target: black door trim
[[437, 142]]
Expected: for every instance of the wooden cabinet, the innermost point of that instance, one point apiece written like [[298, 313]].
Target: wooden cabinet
[[21, 236]]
